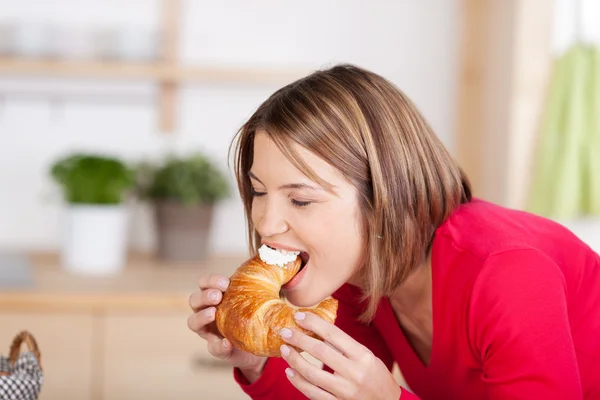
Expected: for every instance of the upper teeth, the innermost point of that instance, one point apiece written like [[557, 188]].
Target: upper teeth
[[276, 256]]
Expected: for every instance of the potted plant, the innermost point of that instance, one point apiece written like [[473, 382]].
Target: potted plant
[[94, 186], [183, 190]]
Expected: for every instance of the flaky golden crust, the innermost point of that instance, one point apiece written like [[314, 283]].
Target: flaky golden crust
[[251, 313]]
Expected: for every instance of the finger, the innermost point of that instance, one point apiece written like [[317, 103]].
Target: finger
[[331, 334], [310, 372], [314, 382], [309, 390], [195, 301], [218, 346], [318, 349], [334, 348], [203, 298], [213, 281], [197, 322]]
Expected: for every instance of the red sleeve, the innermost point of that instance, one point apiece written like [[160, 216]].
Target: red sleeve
[[273, 383], [406, 395], [519, 326]]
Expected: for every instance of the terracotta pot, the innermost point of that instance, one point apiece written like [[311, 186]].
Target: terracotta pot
[[183, 232]]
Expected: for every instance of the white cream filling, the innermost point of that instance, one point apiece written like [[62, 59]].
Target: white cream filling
[[276, 257]]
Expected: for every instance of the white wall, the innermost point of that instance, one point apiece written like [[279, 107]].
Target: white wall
[[575, 19], [414, 43]]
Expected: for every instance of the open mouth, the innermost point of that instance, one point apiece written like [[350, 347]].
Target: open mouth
[[303, 255]]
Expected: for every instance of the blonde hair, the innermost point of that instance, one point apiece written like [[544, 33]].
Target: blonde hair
[[364, 126]]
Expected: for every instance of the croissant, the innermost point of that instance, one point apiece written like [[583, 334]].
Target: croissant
[[251, 313]]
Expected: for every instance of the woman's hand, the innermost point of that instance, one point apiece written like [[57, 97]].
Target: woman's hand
[[358, 374], [203, 323]]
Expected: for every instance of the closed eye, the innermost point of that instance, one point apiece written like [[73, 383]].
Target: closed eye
[[298, 203], [255, 193]]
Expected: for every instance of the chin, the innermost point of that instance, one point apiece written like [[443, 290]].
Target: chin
[[298, 299]]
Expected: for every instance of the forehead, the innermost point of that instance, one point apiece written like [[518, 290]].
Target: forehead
[[271, 162]]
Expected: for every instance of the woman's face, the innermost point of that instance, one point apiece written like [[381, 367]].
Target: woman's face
[[291, 212]]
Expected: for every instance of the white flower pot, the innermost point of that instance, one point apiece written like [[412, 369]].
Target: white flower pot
[[95, 239]]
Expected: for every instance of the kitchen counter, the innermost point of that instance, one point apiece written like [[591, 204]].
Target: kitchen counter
[[144, 283]]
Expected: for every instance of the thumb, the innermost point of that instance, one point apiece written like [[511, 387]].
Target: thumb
[[221, 348]]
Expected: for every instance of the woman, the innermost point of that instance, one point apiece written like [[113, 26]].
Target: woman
[[470, 299]]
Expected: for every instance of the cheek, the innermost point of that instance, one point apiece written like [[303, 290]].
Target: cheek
[[256, 212], [341, 239]]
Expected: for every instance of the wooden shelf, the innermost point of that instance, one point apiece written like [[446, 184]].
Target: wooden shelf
[[139, 71], [82, 69], [169, 73]]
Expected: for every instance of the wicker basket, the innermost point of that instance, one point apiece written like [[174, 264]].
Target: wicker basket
[[21, 374]]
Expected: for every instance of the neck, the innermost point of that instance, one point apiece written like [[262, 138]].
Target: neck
[[412, 305], [413, 296]]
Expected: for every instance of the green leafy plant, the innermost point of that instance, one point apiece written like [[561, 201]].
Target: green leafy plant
[[188, 180], [92, 179]]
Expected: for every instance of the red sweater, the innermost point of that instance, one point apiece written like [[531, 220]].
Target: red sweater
[[516, 315]]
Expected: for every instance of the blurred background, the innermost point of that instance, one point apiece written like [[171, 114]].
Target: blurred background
[[116, 117]]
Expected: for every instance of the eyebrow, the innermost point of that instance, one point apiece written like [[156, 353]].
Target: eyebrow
[[287, 185]]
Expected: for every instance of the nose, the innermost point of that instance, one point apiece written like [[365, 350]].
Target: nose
[[268, 220]]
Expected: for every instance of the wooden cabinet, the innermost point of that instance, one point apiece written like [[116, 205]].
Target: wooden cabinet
[[156, 357], [118, 338], [65, 341]]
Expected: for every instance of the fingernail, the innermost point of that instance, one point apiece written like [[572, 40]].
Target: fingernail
[[285, 350], [289, 372], [209, 312], [223, 283], [285, 333], [299, 316], [225, 343], [213, 295]]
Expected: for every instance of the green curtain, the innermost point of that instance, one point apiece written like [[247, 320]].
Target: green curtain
[[566, 182]]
